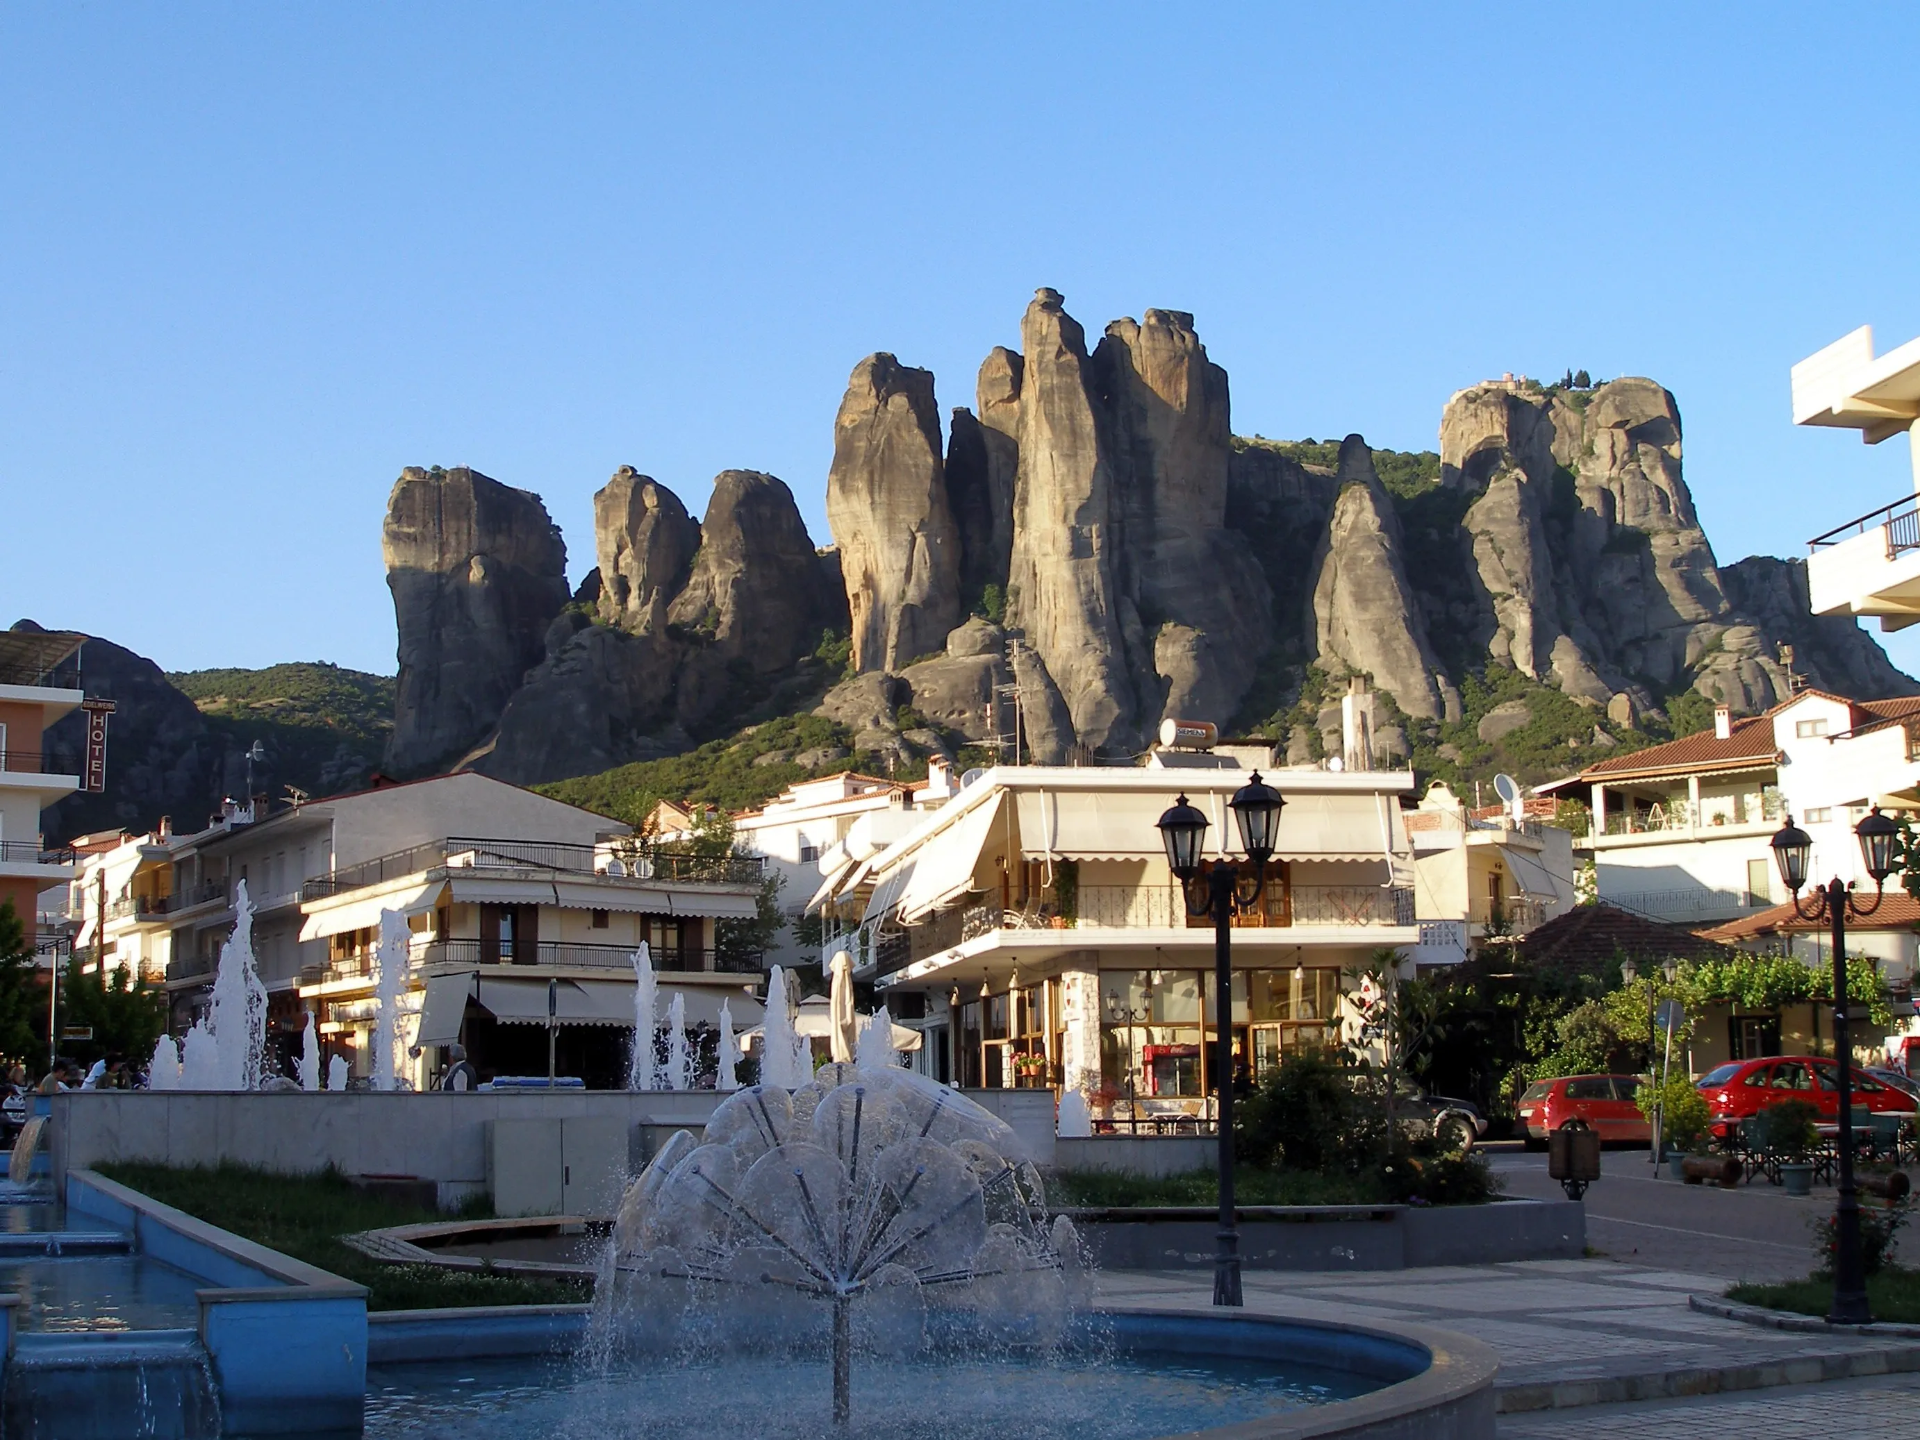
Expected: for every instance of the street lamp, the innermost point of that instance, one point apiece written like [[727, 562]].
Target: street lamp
[[1793, 852], [1256, 810]]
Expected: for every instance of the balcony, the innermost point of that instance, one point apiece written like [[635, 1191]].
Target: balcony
[[30, 852], [470, 954], [1691, 906], [189, 967], [33, 762], [1870, 565], [459, 852], [1130, 907], [28, 673], [1678, 816]]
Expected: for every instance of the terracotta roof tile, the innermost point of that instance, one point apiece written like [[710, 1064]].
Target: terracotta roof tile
[[1589, 939], [1751, 739], [1897, 911]]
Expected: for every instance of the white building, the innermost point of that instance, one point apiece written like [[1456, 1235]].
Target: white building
[[1870, 565], [1031, 929], [1683, 831], [39, 683], [1489, 873]]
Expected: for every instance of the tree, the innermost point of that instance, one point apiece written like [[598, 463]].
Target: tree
[[125, 1016], [1582, 380], [22, 1000]]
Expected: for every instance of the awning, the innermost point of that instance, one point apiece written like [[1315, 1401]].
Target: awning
[[887, 892], [1338, 827], [445, 1007], [365, 914], [944, 866], [1529, 874], [1092, 825], [607, 1002], [830, 884]]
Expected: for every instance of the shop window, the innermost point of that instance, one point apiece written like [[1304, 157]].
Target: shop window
[[600, 920]]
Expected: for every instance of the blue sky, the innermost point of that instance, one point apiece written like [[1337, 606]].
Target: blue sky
[[254, 259]]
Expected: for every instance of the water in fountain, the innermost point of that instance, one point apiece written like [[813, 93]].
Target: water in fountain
[[642, 1071], [338, 1072], [868, 1210], [163, 1070], [226, 1049], [784, 1056], [309, 1056], [679, 1058], [391, 982], [874, 1048], [728, 1075]]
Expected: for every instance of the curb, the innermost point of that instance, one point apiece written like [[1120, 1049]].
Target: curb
[[1709, 1379], [1788, 1320]]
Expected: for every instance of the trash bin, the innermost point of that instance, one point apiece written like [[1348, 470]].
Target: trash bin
[[1573, 1158]]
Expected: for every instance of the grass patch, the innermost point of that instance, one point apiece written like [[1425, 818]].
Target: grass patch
[[304, 1215], [1893, 1295], [1202, 1187]]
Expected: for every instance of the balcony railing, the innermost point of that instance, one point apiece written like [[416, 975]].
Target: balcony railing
[[1900, 520], [1135, 907], [35, 762], [1679, 815], [461, 852], [1693, 904], [473, 954], [29, 852], [64, 676], [189, 967]]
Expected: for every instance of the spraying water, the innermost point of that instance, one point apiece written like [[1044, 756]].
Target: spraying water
[[226, 1050], [395, 939], [337, 1074], [309, 1056], [679, 1059], [777, 1037], [641, 1069], [875, 1049], [163, 1071], [728, 1075]]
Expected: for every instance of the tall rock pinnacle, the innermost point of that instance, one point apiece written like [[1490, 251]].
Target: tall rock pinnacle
[[645, 542]]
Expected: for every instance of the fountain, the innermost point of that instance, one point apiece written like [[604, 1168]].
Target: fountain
[[338, 1073], [869, 1209], [875, 1049], [395, 942], [679, 1058], [642, 1068], [728, 1075], [309, 1064], [784, 1056], [163, 1070], [226, 1049]]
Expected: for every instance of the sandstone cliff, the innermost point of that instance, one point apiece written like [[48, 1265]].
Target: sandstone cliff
[[645, 543], [478, 571]]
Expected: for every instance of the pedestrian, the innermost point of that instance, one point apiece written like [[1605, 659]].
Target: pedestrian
[[460, 1076]]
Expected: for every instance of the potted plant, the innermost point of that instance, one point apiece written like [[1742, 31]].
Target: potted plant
[[1787, 1130], [1684, 1118]]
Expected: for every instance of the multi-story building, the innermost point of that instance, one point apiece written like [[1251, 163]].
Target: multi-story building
[[1870, 565], [823, 828], [121, 901], [1491, 873], [503, 891], [1031, 930], [1683, 831], [39, 683]]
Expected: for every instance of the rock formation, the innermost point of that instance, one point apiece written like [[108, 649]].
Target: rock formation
[[478, 572], [1365, 617], [1830, 652], [983, 458], [887, 504], [645, 542]]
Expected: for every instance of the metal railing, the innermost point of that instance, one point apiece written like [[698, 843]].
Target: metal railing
[[188, 967], [1694, 903], [64, 676], [1900, 519], [35, 762], [466, 852], [1136, 907], [472, 953], [1675, 815], [30, 852]]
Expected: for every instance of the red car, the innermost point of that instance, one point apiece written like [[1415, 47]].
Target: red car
[[1604, 1102], [1746, 1087]]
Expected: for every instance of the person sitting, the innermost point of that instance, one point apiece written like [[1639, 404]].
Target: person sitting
[[460, 1076]]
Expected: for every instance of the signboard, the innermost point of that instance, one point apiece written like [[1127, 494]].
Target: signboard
[[97, 712], [76, 1032], [1670, 1016]]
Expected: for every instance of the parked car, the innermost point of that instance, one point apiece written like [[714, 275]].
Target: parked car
[[1741, 1088], [1453, 1122], [1898, 1079], [1600, 1102]]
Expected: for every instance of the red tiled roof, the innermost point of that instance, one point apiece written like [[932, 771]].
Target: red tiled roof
[[1589, 939], [1751, 739], [1897, 911]]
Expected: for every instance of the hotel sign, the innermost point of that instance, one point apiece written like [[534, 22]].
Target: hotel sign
[[97, 712]]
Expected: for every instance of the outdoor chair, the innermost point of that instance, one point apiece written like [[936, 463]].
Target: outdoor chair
[[1755, 1157]]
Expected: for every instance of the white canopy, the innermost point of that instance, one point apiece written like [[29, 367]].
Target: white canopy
[[815, 1022], [830, 884], [1124, 825], [523, 1001], [888, 891], [945, 865], [364, 914], [444, 1008]]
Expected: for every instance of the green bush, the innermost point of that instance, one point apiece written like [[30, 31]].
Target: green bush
[[1306, 1115], [1787, 1129], [1880, 1227], [1686, 1114], [1425, 1176]]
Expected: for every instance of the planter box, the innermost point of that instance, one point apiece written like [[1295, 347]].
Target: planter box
[[1338, 1237]]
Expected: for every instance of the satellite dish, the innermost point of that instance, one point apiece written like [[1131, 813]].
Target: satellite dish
[[1335, 763], [1508, 789], [970, 777]]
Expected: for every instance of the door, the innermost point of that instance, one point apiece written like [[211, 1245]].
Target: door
[[593, 1166], [525, 1169], [1629, 1123], [1793, 1081]]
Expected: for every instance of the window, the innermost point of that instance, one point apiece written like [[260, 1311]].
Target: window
[[1809, 729], [1719, 1075], [808, 853], [599, 919], [1593, 1087], [1791, 1076], [1818, 815], [1759, 882]]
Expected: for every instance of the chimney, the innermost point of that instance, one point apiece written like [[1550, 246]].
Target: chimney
[[1356, 726], [166, 827], [1722, 722]]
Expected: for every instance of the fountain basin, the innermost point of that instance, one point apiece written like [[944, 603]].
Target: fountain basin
[[1129, 1375]]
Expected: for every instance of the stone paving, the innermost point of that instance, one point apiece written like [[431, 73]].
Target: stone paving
[[1565, 1330], [1879, 1409]]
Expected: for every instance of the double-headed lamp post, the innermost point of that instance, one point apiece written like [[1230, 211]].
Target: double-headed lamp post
[[1792, 851], [1256, 807]]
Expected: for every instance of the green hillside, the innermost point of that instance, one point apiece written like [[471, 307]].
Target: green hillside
[[324, 728]]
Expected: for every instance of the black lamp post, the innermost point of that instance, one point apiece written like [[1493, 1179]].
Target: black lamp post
[[1792, 851], [1256, 808]]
